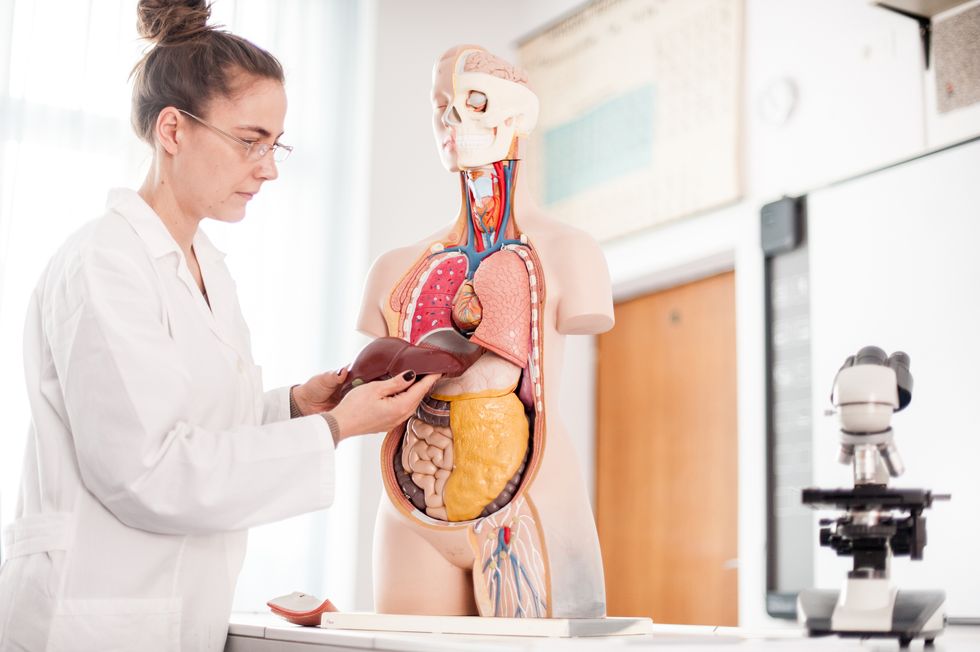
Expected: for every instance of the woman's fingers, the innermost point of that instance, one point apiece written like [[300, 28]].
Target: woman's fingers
[[415, 393], [321, 392], [331, 380], [382, 405], [407, 389], [397, 384], [406, 402]]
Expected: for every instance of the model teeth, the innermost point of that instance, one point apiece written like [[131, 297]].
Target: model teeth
[[474, 141]]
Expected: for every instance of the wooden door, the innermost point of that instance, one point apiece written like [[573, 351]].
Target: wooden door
[[666, 455]]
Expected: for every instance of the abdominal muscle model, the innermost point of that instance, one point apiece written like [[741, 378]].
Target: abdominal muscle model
[[485, 509]]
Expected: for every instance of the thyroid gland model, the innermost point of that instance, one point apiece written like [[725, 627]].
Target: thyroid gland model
[[485, 510]]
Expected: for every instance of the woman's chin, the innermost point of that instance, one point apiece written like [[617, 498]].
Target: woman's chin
[[231, 216]]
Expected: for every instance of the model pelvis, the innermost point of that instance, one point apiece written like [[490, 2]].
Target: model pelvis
[[467, 457]]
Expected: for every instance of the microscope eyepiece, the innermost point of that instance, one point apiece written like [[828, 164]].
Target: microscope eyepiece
[[899, 358], [871, 355], [899, 361]]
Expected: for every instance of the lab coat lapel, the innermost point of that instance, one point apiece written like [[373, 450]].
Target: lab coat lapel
[[160, 243], [147, 224], [217, 283]]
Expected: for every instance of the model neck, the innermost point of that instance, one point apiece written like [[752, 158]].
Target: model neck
[[488, 203]]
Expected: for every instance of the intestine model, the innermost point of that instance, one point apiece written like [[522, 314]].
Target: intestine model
[[485, 509]]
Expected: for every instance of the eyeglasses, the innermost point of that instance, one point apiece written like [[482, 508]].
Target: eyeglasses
[[254, 150]]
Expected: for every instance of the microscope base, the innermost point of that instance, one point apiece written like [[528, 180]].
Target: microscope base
[[914, 614]]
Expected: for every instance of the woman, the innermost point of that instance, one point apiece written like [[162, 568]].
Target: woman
[[152, 446]]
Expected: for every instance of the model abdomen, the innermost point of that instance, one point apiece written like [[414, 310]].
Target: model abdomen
[[466, 451]]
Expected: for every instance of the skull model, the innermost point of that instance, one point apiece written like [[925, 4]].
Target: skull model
[[491, 107]]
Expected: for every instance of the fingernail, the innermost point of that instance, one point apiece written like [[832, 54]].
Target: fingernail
[[340, 371], [409, 375]]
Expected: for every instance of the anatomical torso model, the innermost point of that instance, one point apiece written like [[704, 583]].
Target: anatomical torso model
[[485, 509]]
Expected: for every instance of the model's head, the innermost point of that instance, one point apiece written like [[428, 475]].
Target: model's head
[[481, 107], [208, 102]]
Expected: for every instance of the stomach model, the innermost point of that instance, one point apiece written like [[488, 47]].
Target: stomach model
[[467, 457]]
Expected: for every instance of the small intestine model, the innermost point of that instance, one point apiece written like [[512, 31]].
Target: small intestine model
[[485, 509]]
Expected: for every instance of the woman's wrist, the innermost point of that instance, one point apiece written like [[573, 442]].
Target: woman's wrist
[[334, 426], [294, 411]]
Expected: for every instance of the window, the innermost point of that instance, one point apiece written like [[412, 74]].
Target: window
[[65, 139]]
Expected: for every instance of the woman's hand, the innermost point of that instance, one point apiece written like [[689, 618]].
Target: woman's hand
[[321, 393], [381, 405]]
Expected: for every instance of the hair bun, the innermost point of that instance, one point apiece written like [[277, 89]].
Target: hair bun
[[170, 21]]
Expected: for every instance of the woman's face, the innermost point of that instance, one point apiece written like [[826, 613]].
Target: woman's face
[[218, 177]]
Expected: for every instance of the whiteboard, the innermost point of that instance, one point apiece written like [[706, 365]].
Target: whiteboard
[[895, 262], [640, 109]]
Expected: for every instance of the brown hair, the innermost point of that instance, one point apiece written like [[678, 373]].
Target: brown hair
[[190, 62]]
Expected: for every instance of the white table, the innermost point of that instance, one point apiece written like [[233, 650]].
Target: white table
[[267, 633]]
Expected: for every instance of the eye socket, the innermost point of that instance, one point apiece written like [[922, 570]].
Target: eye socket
[[477, 101]]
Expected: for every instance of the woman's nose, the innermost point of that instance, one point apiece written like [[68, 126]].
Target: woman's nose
[[267, 167]]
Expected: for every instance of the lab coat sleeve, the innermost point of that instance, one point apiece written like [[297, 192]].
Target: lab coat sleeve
[[275, 405], [126, 396]]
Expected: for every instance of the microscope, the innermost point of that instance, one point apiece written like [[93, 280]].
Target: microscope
[[878, 522]]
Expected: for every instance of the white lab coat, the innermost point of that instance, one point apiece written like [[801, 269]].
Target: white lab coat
[[152, 447]]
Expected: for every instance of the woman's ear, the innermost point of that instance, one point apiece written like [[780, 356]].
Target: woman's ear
[[167, 129]]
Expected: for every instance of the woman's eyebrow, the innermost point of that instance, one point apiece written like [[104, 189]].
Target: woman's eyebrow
[[264, 133]]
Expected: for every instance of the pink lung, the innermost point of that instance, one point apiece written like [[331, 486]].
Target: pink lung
[[502, 285]]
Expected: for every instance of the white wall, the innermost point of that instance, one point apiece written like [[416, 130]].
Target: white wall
[[865, 296], [856, 72]]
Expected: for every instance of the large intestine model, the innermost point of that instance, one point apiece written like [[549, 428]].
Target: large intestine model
[[485, 509]]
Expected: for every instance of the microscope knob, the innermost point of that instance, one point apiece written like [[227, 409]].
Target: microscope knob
[[825, 535]]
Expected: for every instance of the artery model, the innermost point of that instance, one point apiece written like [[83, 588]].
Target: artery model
[[485, 509]]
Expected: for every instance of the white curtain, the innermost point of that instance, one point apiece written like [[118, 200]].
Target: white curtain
[[65, 138]]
